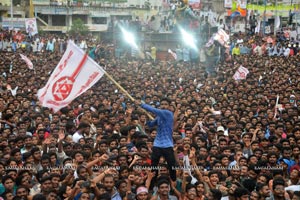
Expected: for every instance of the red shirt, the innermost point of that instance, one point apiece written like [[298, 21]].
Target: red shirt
[[46, 134], [292, 52]]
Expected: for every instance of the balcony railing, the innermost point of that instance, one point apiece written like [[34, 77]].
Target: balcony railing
[[16, 8], [96, 7]]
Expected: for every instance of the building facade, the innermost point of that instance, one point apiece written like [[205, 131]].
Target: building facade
[[99, 15], [58, 15]]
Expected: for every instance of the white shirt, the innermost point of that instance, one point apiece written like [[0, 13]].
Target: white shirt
[[221, 26], [258, 50], [76, 137], [83, 45], [286, 52], [292, 188], [239, 41]]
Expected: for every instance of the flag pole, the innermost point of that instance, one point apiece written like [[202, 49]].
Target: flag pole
[[276, 105], [124, 91]]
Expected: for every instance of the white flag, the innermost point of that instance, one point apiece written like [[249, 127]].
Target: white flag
[[212, 19], [210, 41], [228, 3], [242, 4], [149, 54], [276, 106], [173, 54], [27, 60], [222, 37], [277, 22], [74, 74], [241, 73], [257, 28]]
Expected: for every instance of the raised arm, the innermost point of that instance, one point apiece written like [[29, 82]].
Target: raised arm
[[159, 112], [152, 123]]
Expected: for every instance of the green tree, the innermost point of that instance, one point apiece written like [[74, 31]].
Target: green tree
[[41, 31], [78, 27]]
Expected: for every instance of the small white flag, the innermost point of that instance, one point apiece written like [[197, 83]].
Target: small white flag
[[13, 91], [241, 73], [222, 37], [173, 54], [27, 60]]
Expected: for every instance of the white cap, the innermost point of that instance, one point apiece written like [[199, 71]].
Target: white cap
[[141, 189], [220, 128]]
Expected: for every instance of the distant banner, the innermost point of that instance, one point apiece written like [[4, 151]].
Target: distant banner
[[228, 3], [196, 4], [28, 24], [242, 4], [212, 18], [31, 27], [268, 29], [237, 9], [279, 7], [8, 23]]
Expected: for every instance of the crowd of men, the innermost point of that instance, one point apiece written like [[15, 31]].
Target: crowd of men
[[232, 139]]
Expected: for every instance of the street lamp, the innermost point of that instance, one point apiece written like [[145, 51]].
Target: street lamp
[[188, 39], [129, 38]]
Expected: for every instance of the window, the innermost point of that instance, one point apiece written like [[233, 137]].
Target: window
[[99, 20]]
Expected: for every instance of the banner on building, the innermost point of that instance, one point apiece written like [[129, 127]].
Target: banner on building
[[13, 23], [279, 7], [242, 4], [31, 27], [196, 4], [228, 3], [28, 24]]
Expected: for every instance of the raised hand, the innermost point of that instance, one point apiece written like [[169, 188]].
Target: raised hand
[[61, 135], [104, 157]]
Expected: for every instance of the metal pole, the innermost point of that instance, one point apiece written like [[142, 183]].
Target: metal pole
[[291, 14], [275, 16], [246, 21], [11, 14], [264, 25]]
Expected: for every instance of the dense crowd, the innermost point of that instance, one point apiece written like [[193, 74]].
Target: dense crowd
[[233, 139]]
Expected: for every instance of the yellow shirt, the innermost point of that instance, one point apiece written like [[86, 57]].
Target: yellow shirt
[[236, 51], [153, 53]]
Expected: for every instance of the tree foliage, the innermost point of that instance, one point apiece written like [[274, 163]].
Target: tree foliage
[[78, 28]]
